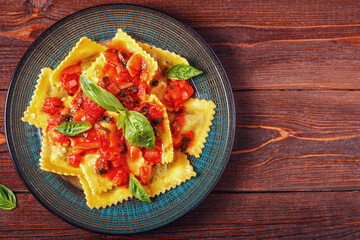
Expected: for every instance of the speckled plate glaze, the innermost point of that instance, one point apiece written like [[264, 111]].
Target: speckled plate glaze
[[100, 23]]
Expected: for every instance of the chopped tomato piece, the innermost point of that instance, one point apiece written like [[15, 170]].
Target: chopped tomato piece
[[112, 58], [74, 69], [155, 112], [81, 146], [124, 85], [153, 156], [114, 155], [58, 137], [74, 160], [78, 115], [87, 137], [121, 177], [53, 121], [52, 105], [146, 174], [134, 152], [179, 121], [178, 92], [92, 109], [134, 65], [70, 78], [113, 88], [102, 166]]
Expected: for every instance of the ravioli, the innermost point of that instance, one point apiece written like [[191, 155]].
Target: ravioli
[[85, 51], [163, 131], [44, 89], [104, 199], [166, 176], [53, 158], [101, 157], [198, 118], [96, 183], [165, 59], [122, 41], [199, 113]]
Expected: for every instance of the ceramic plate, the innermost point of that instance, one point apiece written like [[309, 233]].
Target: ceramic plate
[[100, 23]]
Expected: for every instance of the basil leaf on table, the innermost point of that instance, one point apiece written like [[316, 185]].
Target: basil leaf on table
[[73, 128], [99, 95], [138, 130], [121, 118], [7, 198], [182, 72], [137, 189]]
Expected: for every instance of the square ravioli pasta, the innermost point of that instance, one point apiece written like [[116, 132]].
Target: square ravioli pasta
[[112, 117]]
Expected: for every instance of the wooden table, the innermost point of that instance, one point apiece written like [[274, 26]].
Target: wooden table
[[295, 74]]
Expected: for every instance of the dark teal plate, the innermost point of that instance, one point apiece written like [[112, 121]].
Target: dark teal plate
[[100, 23]]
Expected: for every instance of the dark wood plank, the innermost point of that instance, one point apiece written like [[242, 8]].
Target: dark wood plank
[[257, 215], [258, 49], [308, 138], [270, 13], [286, 141], [9, 176], [285, 63], [294, 140]]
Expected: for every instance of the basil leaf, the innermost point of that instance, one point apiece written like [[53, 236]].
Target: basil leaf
[[73, 128], [137, 189], [182, 72], [121, 118], [138, 130], [7, 198], [99, 95]]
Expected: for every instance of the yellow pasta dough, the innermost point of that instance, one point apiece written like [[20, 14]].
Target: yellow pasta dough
[[101, 191], [44, 89], [165, 133], [96, 183], [166, 176], [85, 51], [53, 158], [125, 41], [165, 60], [199, 114]]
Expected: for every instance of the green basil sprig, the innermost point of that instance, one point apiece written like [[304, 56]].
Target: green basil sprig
[[137, 189], [137, 129], [7, 198], [100, 96], [182, 72], [73, 128]]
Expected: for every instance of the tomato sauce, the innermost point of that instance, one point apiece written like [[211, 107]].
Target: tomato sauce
[[69, 79], [125, 75], [181, 141]]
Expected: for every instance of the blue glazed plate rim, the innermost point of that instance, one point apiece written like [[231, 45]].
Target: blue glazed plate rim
[[226, 82]]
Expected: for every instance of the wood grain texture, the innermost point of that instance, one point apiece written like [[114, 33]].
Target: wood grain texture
[[266, 215], [311, 139], [294, 69], [260, 50], [308, 138]]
